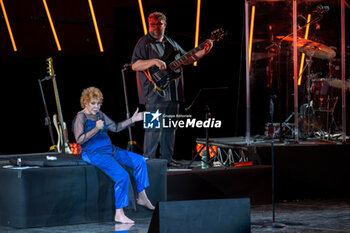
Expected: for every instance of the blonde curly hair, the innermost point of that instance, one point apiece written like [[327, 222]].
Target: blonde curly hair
[[89, 94]]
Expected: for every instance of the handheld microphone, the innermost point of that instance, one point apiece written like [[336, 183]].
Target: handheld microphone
[[98, 118], [321, 9]]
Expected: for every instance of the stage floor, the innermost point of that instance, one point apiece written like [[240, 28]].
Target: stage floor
[[311, 191], [312, 216]]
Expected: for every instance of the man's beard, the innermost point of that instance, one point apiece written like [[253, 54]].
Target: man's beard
[[157, 34]]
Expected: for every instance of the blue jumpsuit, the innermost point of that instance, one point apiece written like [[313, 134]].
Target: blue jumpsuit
[[100, 152]]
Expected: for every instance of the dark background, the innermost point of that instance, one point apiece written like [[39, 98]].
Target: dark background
[[80, 65]]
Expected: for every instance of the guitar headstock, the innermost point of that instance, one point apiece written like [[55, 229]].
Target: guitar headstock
[[50, 70], [217, 34]]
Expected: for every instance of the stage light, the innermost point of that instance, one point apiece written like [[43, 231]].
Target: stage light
[[212, 150], [197, 26], [142, 17], [52, 26], [96, 26], [251, 34], [303, 54], [8, 26]]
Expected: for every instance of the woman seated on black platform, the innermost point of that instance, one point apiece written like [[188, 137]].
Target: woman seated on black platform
[[91, 128]]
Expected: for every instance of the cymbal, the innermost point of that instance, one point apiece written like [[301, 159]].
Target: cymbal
[[312, 48], [337, 83]]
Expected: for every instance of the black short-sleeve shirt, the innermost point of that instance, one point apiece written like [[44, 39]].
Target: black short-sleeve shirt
[[150, 48]]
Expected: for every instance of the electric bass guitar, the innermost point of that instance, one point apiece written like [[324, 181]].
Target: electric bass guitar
[[162, 78], [60, 125]]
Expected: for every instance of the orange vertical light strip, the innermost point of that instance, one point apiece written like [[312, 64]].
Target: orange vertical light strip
[[142, 17], [251, 34], [96, 27], [8, 26], [303, 54], [52, 26], [197, 26]]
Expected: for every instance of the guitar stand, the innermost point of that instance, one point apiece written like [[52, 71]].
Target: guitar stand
[[206, 97], [47, 118], [131, 142], [52, 76]]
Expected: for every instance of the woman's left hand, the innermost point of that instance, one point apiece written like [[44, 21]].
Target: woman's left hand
[[138, 116]]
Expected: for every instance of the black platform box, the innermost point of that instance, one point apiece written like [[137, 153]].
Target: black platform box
[[67, 194]]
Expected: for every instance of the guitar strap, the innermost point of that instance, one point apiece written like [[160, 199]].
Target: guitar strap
[[160, 92]]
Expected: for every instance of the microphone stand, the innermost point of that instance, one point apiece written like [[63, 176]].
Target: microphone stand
[[273, 224], [131, 143]]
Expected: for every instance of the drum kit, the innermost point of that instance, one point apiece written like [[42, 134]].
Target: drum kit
[[317, 114]]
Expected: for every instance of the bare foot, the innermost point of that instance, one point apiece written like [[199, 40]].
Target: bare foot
[[121, 218], [146, 204], [144, 201]]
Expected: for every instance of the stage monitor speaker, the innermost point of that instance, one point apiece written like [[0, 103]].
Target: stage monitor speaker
[[205, 216]]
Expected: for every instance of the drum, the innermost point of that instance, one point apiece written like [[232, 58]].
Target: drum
[[323, 98], [272, 129], [287, 129]]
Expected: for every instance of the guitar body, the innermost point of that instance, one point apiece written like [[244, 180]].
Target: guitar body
[[163, 78], [59, 135], [61, 132]]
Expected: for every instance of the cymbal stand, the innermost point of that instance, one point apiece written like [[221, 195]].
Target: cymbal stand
[[328, 112], [333, 123], [285, 123], [308, 87]]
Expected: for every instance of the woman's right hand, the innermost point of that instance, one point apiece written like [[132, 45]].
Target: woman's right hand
[[137, 116], [99, 124]]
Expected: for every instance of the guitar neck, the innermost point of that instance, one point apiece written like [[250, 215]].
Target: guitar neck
[[187, 55]]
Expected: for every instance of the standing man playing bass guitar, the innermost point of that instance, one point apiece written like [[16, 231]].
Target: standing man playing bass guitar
[[160, 80]]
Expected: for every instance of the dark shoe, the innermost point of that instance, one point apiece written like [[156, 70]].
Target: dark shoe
[[174, 163]]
